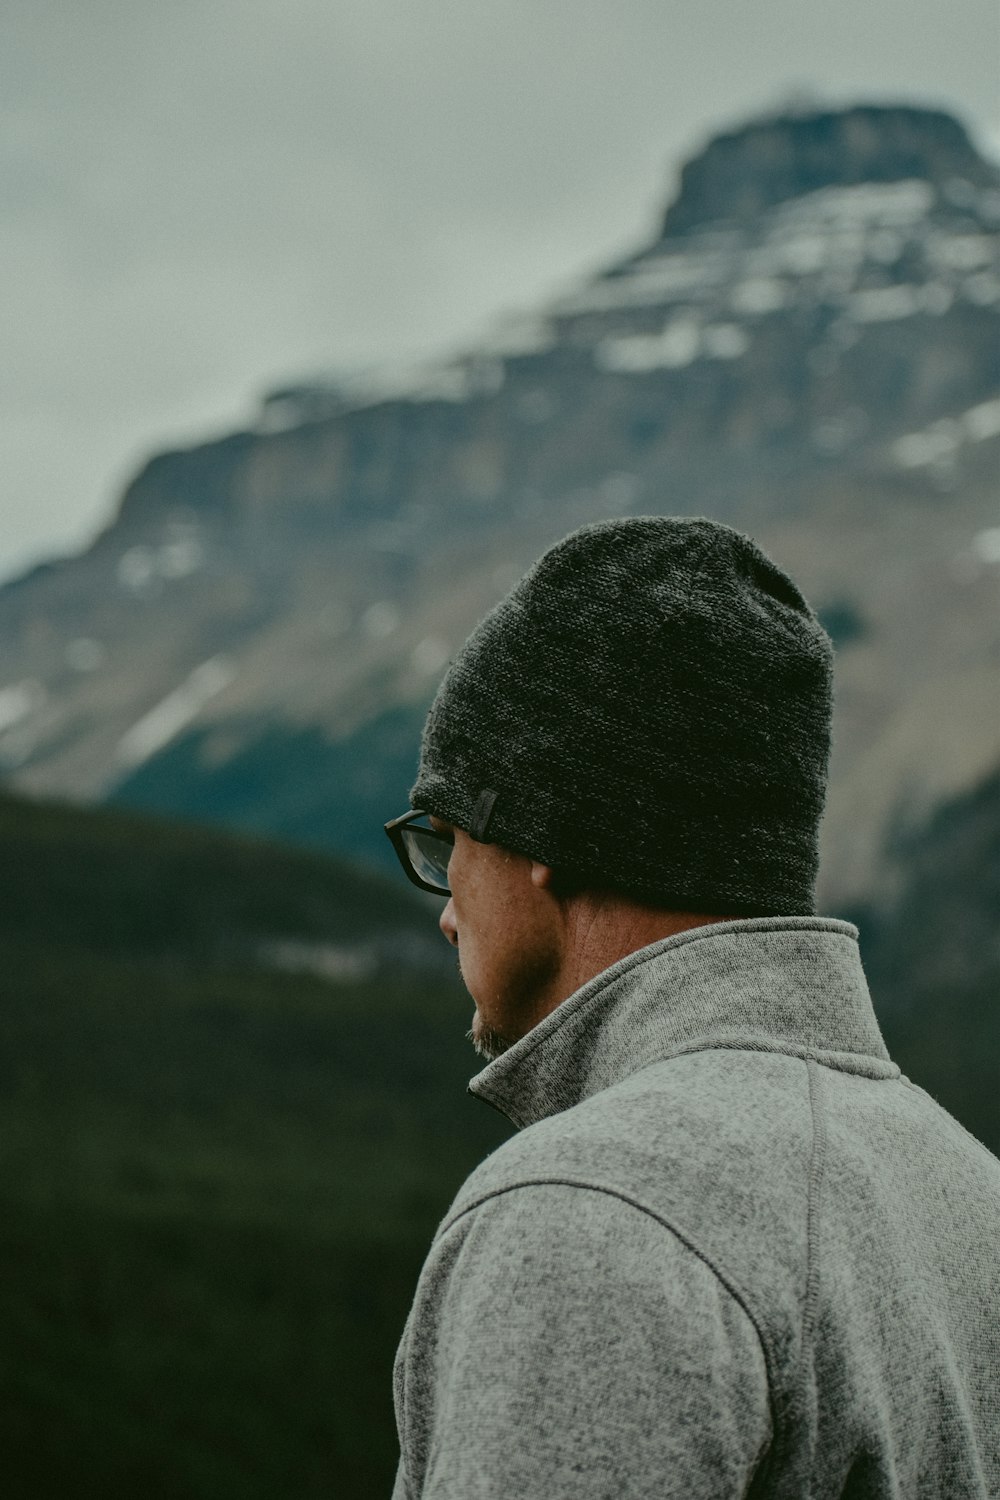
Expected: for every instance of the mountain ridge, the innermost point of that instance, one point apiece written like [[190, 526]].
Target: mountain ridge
[[790, 154], [262, 626]]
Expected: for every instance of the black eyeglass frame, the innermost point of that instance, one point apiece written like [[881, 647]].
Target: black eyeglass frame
[[394, 832]]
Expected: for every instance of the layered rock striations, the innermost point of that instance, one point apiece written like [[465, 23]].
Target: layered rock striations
[[808, 350], [742, 173]]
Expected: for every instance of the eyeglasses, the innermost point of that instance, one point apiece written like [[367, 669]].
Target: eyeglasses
[[423, 852]]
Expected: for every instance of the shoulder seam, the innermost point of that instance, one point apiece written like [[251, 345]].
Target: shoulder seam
[[731, 1285], [817, 1162]]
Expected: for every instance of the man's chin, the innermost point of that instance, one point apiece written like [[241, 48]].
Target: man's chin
[[488, 1042]]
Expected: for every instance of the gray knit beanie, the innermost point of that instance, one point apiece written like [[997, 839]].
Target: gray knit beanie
[[648, 712]]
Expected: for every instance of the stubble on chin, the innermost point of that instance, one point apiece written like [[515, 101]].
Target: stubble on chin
[[488, 1042]]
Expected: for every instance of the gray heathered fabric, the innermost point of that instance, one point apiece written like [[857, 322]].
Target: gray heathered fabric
[[733, 1253], [648, 711]]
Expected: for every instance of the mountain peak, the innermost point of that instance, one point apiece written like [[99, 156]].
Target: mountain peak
[[743, 172]]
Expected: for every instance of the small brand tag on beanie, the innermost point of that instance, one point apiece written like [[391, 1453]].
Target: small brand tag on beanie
[[481, 814]]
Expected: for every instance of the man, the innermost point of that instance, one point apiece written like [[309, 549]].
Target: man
[[732, 1251]]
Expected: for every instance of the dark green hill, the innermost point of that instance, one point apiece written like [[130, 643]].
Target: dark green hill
[[232, 1110], [218, 1177], [118, 882], [934, 959]]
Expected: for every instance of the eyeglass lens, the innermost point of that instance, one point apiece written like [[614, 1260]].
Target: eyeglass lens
[[429, 855]]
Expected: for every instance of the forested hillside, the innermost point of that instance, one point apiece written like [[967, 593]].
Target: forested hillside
[[934, 960], [232, 1110]]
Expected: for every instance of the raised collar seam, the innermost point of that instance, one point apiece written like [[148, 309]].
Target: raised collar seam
[[589, 994], [863, 1064]]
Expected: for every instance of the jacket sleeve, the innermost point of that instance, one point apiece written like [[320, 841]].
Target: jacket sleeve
[[564, 1343]]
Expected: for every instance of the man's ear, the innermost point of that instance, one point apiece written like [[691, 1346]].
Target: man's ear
[[541, 875]]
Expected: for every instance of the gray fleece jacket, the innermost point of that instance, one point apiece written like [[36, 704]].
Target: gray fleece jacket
[[732, 1253]]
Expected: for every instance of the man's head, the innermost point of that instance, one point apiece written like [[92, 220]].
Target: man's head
[[646, 718]]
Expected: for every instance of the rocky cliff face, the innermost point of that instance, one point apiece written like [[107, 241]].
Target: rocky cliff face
[[809, 350], [743, 173]]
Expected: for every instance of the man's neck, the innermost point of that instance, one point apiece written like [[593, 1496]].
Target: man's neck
[[600, 929]]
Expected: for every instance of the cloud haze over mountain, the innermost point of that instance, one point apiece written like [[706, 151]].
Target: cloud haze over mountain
[[205, 199]]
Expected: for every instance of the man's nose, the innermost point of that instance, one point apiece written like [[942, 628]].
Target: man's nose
[[448, 925]]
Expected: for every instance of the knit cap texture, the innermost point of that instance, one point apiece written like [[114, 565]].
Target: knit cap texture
[[648, 712]]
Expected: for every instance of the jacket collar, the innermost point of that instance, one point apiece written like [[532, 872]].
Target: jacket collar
[[765, 984]]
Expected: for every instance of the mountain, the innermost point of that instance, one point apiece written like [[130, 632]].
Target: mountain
[[807, 349]]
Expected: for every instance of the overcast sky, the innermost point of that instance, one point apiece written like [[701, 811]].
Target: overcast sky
[[202, 199]]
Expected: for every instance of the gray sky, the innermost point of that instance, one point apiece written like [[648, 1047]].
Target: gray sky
[[200, 199]]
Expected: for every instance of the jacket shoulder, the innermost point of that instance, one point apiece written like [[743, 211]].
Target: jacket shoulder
[[715, 1143]]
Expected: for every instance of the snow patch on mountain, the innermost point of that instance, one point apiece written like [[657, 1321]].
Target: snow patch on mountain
[[173, 713], [18, 701], [942, 440], [681, 342]]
